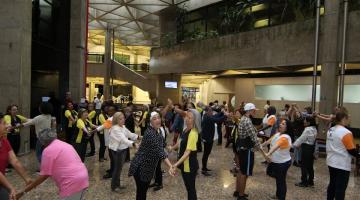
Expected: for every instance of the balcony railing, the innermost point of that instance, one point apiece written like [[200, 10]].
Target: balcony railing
[[96, 58], [100, 58]]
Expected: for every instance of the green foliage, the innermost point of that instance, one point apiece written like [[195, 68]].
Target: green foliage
[[169, 39], [300, 9], [239, 17]]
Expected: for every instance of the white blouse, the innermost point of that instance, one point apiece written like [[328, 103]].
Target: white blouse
[[119, 138]]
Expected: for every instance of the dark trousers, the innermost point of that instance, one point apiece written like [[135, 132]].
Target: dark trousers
[[158, 174], [102, 145], [4, 193], [127, 159], [189, 181], [141, 187], [280, 171], [220, 134], [92, 144], [81, 149], [207, 150], [119, 160], [338, 183], [14, 140], [111, 162], [142, 129], [307, 163], [198, 144], [69, 134]]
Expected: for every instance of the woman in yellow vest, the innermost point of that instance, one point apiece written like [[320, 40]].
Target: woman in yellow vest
[[14, 120], [83, 131], [71, 117], [101, 121], [93, 118]]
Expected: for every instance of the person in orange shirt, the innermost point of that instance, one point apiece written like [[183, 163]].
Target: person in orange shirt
[[279, 155]]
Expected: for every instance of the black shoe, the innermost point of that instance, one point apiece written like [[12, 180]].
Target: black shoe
[[107, 176], [236, 194], [310, 184], [158, 187], [89, 154], [153, 185], [242, 198], [301, 184], [108, 171], [205, 173], [206, 170], [296, 164]]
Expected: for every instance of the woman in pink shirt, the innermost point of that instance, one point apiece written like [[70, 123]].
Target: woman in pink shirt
[[60, 162]]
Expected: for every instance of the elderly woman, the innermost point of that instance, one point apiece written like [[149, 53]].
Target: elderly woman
[[187, 157], [118, 145], [151, 150], [7, 155], [61, 162]]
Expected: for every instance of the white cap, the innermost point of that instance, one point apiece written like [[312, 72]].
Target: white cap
[[153, 114], [249, 106]]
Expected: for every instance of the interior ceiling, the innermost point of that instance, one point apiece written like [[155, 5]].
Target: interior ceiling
[[136, 22]]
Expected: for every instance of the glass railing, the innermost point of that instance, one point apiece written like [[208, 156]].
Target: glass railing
[[96, 58], [100, 58]]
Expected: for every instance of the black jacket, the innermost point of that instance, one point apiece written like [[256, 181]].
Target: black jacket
[[208, 126]]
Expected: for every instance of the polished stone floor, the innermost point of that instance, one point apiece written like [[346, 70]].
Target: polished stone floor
[[219, 186]]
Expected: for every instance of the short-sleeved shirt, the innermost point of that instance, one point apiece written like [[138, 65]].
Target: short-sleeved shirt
[[69, 113], [5, 148], [63, 164], [188, 141], [13, 121], [282, 154], [339, 140], [79, 133], [269, 121]]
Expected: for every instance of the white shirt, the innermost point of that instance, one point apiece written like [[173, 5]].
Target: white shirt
[[337, 155], [282, 154], [308, 136], [40, 122], [97, 103], [118, 138]]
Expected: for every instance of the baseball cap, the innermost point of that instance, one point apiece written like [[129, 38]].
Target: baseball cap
[[249, 106]]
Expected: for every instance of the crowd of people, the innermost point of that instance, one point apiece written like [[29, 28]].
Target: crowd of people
[[288, 138]]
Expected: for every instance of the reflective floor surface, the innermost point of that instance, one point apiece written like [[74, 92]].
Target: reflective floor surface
[[219, 186]]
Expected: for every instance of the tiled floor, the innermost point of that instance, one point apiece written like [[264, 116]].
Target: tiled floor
[[220, 186]]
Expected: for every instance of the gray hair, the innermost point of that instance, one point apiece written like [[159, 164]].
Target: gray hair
[[46, 136]]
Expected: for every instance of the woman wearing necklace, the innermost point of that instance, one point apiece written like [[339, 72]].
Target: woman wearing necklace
[[151, 150]]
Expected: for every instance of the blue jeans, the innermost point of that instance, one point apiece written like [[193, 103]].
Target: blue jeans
[[38, 150], [280, 171]]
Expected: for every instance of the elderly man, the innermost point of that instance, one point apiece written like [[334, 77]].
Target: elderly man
[[246, 145], [60, 162]]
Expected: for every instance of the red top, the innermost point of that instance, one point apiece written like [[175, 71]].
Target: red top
[[5, 148]]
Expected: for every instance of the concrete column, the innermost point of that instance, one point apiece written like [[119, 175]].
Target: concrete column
[[164, 93], [330, 58], [168, 28], [107, 64], [15, 64], [77, 49]]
